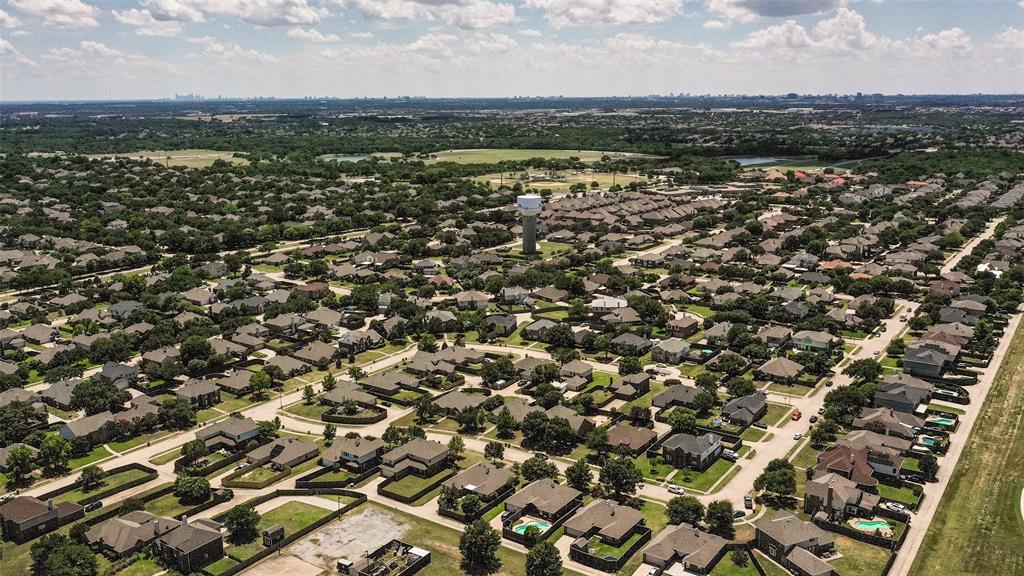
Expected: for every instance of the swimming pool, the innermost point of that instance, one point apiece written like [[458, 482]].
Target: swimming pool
[[927, 441], [540, 524], [871, 525], [943, 421]]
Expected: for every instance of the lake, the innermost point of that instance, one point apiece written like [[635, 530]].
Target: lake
[[344, 157], [754, 160]]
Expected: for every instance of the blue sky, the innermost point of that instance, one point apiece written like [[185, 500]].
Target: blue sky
[[77, 49]]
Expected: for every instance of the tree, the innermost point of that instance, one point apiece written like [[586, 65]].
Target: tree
[[719, 518], [543, 560], [740, 557], [470, 505], [177, 413], [494, 450], [823, 434], [195, 348], [536, 468], [456, 446], [192, 489], [682, 420], [685, 510], [356, 373], [308, 396], [426, 410], [778, 477], [896, 348], [448, 498], [621, 475], [640, 415], [330, 431], [865, 369], [479, 546], [506, 424], [54, 453], [95, 396], [193, 450], [58, 555], [708, 382], [242, 522], [531, 535], [91, 477], [329, 382], [17, 421], [598, 440], [259, 383], [629, 365], [20, 462], [427, 343], [929, 465], [579, 475]]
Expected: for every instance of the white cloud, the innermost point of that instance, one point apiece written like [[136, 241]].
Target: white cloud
[[530, 32], [361, 35], [562, 13], [786, 36], [231, 51], [715, 25], [145, 24], [750, 10], [312, 35], [1010, 40], [7, 49], [8, 21], [847, 32], [259, 12], [87, 50], [60, 13], [469, 14], [490, 43], [952, 42]]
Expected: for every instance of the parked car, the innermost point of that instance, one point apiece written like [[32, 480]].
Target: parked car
[[748, 502], [895, 506], [821, 410], [92, 506], [673, 489], [760, 425], [739, 514], [798, 436], [729, 455], [653, 572], [813, 419], [797, 415]]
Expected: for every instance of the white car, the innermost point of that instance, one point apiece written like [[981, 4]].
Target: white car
[[797, 436], [673, 489], [895, 506]]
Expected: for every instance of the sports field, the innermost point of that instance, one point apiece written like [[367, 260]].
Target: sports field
[[192, 157], [977, 528]]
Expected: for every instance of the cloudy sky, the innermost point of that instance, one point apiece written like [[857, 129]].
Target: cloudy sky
[[96, 49]]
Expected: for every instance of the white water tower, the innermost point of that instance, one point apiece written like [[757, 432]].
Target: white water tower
[[529, 206]]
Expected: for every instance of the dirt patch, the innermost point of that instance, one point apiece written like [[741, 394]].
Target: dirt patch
[[351, 538]]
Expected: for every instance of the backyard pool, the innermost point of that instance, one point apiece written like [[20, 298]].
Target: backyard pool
[[943, 421], [540, 524], [928, 441], [873, 525]]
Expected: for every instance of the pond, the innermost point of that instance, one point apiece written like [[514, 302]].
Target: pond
[[754, 160], [344, 157]]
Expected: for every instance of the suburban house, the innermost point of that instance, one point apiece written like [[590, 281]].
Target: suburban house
[[697, 551], [671, 351], [6, 451], [545, 499], [631, 386], [283, 452], [775, 336], [746, 410], [780, 369], [612, 523], [929, 358], [191, 545], [89, 430], [577, 368], [684, 450], [636, 440], [229, 433], [795, 544], [628, 343], [344, 392], [838, 498], [26, 517], [812, 341], [889, 422], [580, 424], [128, 534], [199, 393], [683, 327], [357, 454], [421, 457], [483, 479], [678, 395], [903, 392]]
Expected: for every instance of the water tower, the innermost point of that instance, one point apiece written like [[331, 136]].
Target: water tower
[[529, 207]]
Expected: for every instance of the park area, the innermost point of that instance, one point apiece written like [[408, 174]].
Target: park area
[[494, 155], [192, 157], [977, 528]]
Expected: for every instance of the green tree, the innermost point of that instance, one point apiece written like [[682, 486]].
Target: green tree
[[329, 383], [448, 498], [719, 518], [330, 431], [543, 560], [708, 382], [54, 453], [536, 468], [470, 505], [929, 465], [192, 489], [95, 396], [494, 450], [579, 475], [259, 384], [685, 510], [506, 424], [20, 463], [597, 440], [92, 476], [621, 475], [308, 396], [58, 555], [778, 477], [479, 547], [629, 365], [456, 446], [865, 369], [193, 450], [242, 522], [740, 557], [177, 413], [682, 420]]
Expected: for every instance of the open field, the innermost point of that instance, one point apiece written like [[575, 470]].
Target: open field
[[493, 155], [561, 180], [192, 157], [977, 528]]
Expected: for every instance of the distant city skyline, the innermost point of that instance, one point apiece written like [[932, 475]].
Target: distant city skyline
[[151, 49]]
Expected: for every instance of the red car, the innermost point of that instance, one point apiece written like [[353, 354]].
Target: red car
[[797, 415]]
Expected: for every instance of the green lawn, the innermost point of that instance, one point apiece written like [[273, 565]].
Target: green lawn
[[700, 310], [770, 567], [109, 482], [221, 566], [651, 470], [293, 516], [776, 413], [137, 441], [98, 453], [901, 495], [167, 505], [166, 457], [258, 474], [726, 567], [602, 549], [142, 567], [412, 484], [752, 434], [309, 411], [807, 457], [862, 559], [703, 481], [945, 408]]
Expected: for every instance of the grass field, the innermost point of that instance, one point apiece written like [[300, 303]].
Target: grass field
[[562, 180], [703, 481], [977, 528], [192, 157], [293, 516], [493, 155], [109, 482]]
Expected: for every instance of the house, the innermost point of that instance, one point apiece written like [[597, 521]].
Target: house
[[236, 383], [421, 457], [694, 452], [289, 366], [889, 422], [441, 321], [344, 392], [631, 386], [456, 401], [812, 341], [636, 440], [605, 519], [40, 333], [683, 327], [775, 336], [389, 383], [191, 545], [746, 410], [795, 544], [324, 316], [580, 424], [199, 393], [60, 393], [356, 341], [780, 369], [875, 441], [318, 353], [90, 430], [26, 517], [545, 499], [125, 535], [697, 551], [283, 452], [500, 324], [161, 358], [538, 330], [671, 351], [903, 392], [229, 433], [631, 344], [483, 479], [929, 358], [357, 454], [677, 395], [577, 369], [472, 300], [850, 463], [838, 498]]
